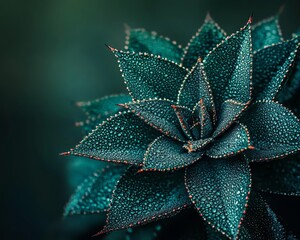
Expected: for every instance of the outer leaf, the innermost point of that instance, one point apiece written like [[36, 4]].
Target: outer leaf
[[206, 38], [195, 87], [165, 154], [94, 194], [271, 66], [143, 197], [266, 33], [140, 40], [280, 177], [219, 190], [100, 109], [274, 131], [232, 142], [123, 138], [228, 68], [260, 221], [148, 76], [159, 113], [229, 112]]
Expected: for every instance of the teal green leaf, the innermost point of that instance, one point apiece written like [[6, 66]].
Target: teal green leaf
[[228, 68], [140, 198], [94, 194], [260, 221], [230, 110], [184, 116], [123, 138], [206, 125], [274, 131], [235, 140], [206, 38], [140, 40], [272, 66], [100, 109], [165, 154], [195, 87], [280, 177], [266, 33], [219, 189], [148, 76], [159, 114]]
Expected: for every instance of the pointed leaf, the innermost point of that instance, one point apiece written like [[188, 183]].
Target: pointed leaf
[[100, 109], [195, 87], [219, 190], [280, 177], [229, 112], [123, 138], [260, 221], [140, 40], [144, 197], [206, 38], [206, 125], [165, 154], [148, 76], [159, 114], [274, 131], [235, 140], [184, 116], [271, 66], [266, 33], [228, 68], [94, 194]]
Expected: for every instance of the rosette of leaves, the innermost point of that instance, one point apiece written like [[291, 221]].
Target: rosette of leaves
[[202, 127]]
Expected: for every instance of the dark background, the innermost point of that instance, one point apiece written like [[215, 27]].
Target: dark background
[[53, 54]]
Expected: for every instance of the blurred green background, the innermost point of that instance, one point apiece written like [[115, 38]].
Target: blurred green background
[[53, 54]]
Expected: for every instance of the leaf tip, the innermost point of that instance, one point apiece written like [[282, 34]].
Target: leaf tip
[[208, 17], [110, 48], [250, 18], [65, 153]]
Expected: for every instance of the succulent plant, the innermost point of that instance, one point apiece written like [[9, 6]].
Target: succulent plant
[[202, 127]]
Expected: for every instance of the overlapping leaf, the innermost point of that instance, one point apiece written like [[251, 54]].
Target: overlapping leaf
[[274, 131], [271, 67], [123, 138], [143, 197], [232, 142], [280, 177], [165, 153], [206, 38], [148, 76], [219, 190], [140, 40], [160, 114], [266, 33], [228, 68], [94, 194]]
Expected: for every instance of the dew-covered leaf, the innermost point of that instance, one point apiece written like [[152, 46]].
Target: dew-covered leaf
[[266, 33], [219, 190], [235, 140], [271, 67], [230, 110], [280, 177], [274, 131], [195, 87], [148, 76], [159, 114], [94, 194], [140, 40], [123, 138], [144, 197], [260, 221], [206, 38], [206, 124], [100, 109], [165, 154], [228, 68]]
